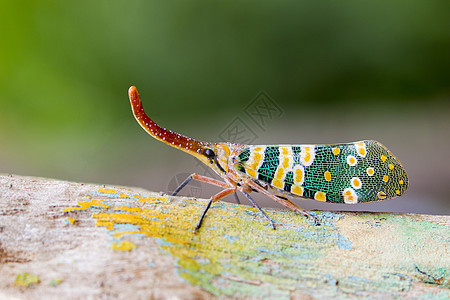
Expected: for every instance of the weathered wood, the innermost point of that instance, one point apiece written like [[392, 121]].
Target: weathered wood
[[68, 240]]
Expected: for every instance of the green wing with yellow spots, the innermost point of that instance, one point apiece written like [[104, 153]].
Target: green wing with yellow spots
[[343, 173]]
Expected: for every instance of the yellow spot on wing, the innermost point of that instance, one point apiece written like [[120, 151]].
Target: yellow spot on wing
[[284, 150], [381, 195], [277, 183], [297, 190], [361, 149], [226, 149], [356, 182], [253, 164], [307, 155], [251, 172], [320, 196], [286, 158], [255, 161], [350, 196], [383, 158], [327, 175], [401, 181], [299, 174], [279, 173], [336, 151], [385, 178], [286, 162], [257, 158], [391, 166], [351, 160], [370, 171]]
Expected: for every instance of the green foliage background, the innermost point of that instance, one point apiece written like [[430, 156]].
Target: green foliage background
[[65, 67]]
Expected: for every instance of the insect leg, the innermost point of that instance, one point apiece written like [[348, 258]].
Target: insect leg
[[201, 179], [203, 215], [258, 207], [237, 198], [182, 185], [214, 198], [284, 202]]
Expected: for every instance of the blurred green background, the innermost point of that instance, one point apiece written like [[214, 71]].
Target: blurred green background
[[341, 71]]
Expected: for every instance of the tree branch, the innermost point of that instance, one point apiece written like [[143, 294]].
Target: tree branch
[[69, 240]]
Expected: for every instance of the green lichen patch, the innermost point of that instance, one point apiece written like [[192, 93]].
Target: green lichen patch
[[237, 253]]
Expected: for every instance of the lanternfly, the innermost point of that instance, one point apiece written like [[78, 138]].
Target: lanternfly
[[348, 173]]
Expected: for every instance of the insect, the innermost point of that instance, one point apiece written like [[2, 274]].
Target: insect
[[348, 173]]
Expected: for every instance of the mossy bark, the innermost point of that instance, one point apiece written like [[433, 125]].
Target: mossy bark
[[80, 241]]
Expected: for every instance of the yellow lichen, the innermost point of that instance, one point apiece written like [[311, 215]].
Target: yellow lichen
[[25, 279], [123, 246]]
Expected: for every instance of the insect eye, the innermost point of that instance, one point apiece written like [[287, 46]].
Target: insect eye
[[209, 153]]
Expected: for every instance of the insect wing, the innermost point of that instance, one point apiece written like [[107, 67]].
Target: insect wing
[[342, 173]]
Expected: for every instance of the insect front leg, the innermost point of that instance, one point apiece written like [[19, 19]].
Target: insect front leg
[[214, 198], [201, 179], [228, 189]]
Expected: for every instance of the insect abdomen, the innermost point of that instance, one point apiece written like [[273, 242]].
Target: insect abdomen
[[342, 173]]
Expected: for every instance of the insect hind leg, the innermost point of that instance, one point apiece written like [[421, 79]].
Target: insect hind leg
[[260, 209], [282, 200], [237, 198]]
